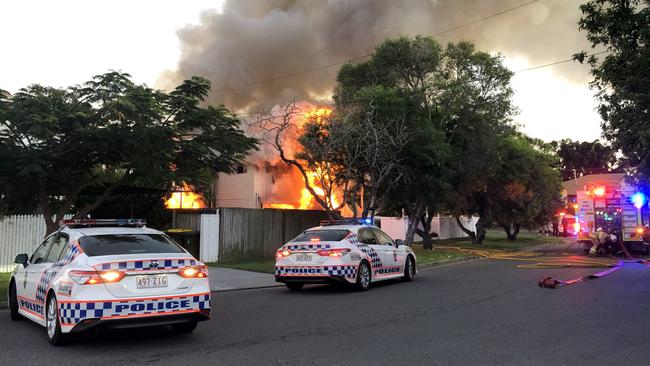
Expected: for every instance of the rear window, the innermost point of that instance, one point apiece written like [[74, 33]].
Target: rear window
[[322, 235], [116, 244]]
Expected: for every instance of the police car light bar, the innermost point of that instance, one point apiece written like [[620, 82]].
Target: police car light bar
[[366, 221], [103, 222]]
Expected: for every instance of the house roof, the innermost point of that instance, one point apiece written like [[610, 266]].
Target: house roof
[[579, 184]]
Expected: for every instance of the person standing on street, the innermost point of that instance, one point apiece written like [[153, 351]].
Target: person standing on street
[[556, 228]]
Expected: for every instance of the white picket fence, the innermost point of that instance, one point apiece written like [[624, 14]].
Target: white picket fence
[[19, 234]]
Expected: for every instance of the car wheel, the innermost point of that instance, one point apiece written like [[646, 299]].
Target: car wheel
[[13, 303], [184, 328], [295, 286], [409, 269], [54, 335], [363, 277]]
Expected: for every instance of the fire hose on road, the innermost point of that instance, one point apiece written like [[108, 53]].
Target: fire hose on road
[[557, 260]]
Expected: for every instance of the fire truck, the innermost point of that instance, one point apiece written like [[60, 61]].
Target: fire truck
[[618, 209]]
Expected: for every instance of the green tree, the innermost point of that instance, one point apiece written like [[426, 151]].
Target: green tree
[[395, 95], [580, 158], [108, 132], [525, 192], [476, 107], [458, 106], [622, 77]]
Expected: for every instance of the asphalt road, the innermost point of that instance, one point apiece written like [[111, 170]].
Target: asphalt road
[[479, 312]]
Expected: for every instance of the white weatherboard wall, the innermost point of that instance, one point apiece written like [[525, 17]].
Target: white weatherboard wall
[[19, 234], [244, 190], [209, 237], [236, 190]]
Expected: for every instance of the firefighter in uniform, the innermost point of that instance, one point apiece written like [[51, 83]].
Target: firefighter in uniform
[[600, 239]]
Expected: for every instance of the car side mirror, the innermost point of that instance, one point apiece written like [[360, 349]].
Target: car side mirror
[[399, 242], [21, 259]]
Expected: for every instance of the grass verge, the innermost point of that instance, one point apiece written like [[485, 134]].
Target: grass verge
[[431, 257], [496, 239], [4, 283]]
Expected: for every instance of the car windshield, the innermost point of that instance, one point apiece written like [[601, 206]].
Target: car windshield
[[322, 235], [116, 244]]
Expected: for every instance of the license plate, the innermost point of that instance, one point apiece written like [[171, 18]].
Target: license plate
[[303, 257], [154, 281]]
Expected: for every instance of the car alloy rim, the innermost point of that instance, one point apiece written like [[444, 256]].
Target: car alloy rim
[[365, 276], [410, 267], [51, 317]]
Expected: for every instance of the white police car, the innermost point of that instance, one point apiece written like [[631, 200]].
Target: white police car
[[343, 251], [108, 273]]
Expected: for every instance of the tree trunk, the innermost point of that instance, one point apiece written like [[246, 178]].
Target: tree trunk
[[425, 233], [370, 203], [50, 224], [511, 229], [515, 232], [480, 231], [470, 233], [52, 219], [413, 215], [506, 228], [483, 211]]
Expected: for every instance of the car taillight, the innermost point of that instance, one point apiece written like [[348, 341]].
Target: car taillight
[[333, 252], [283, 253], [194, 272], [95, 277]]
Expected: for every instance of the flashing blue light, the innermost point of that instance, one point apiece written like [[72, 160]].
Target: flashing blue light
[[368, 221], [638, 199]]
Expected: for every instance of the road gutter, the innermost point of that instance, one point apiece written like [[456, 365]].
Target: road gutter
[[449, 261]]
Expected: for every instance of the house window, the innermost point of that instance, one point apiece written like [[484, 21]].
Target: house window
[[241, 169]]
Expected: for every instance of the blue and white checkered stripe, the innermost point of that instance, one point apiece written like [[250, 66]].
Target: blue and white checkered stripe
[[73, 313], [50, 273], [375, 261], [144, 265], [345, 271], [349, 271], [307, 246]]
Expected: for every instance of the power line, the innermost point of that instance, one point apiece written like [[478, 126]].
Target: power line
[[291, 75], [514, 72], [556, 63], [485, 18], [323, 67]]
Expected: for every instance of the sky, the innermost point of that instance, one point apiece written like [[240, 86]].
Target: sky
[[65, 42]]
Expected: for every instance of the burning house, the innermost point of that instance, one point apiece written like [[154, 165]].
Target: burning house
[[266, 181]]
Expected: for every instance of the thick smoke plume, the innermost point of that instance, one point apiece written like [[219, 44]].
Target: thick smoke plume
[[253, 40], [249, 41]]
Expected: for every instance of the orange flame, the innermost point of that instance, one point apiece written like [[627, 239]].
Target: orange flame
[[318, 115], [282, 206], [307, 201], [185, 199]]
